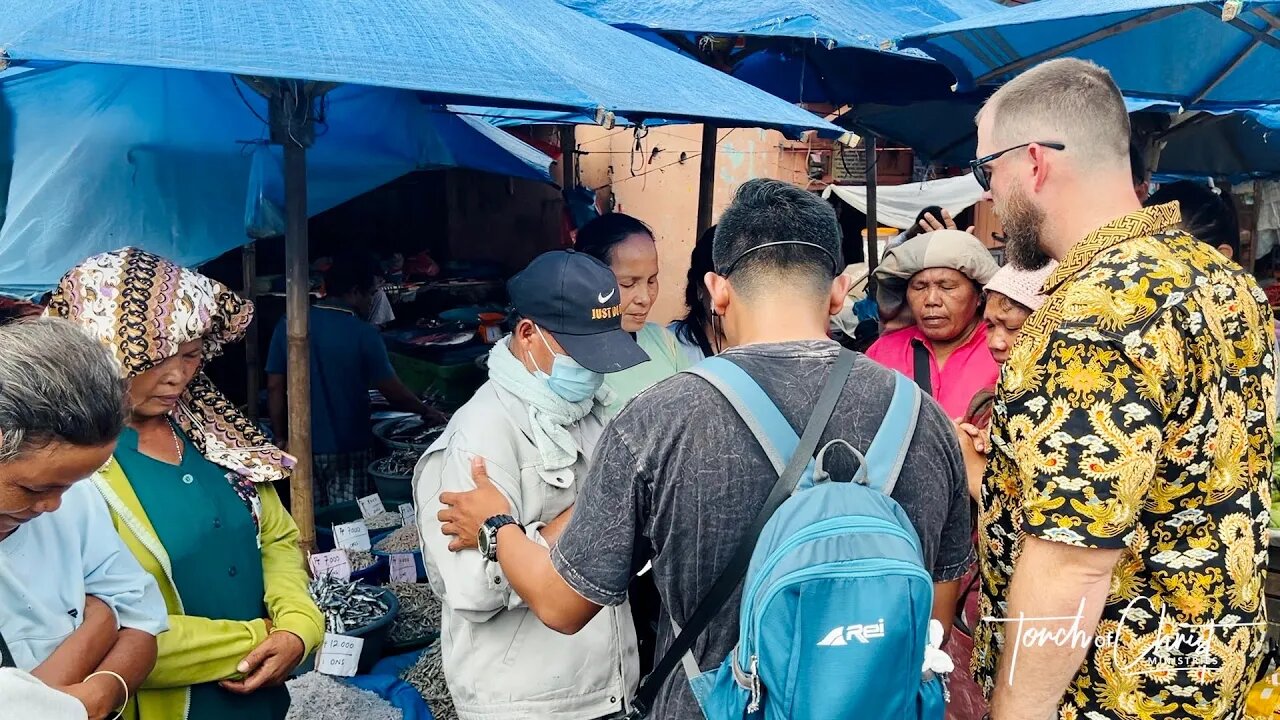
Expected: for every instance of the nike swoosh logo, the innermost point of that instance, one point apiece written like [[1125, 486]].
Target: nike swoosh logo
[[606, 298]]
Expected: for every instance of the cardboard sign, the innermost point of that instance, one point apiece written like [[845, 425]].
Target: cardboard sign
[[403, 568], [334, 562], [352, 536], [371, 506], [407, 515], [339, 655]]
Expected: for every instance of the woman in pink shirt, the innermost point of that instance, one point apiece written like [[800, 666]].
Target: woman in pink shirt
[[934, 282]]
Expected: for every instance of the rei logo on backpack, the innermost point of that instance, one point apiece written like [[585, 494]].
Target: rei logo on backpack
[[836, 601]]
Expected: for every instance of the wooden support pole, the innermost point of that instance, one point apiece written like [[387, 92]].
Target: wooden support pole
[[706, 178], [873, 224], [568, 157], [252, 351], [298, 309]]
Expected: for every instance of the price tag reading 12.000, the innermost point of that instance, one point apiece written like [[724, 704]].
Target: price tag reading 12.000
[[407, 515], [339, 655]]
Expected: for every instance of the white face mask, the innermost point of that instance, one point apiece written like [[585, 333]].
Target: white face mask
[[568, 379]]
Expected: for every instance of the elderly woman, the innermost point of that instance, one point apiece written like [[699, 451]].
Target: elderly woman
[[935, 280], [189, 487], [627, 246], [78, 616]]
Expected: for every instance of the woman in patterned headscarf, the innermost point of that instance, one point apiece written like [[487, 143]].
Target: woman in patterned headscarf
[[189, 487]]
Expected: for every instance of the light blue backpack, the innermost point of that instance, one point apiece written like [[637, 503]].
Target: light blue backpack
[[836, 599]]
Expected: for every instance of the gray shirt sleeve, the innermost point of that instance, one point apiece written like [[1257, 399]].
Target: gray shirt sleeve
[[604, 543]]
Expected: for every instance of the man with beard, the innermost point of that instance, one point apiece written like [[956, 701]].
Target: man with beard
[[1125, 504]]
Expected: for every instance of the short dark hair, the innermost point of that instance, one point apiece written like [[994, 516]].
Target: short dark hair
[[1206, 215], [769, 211], [57, 384], [351, 272], [598, 237]]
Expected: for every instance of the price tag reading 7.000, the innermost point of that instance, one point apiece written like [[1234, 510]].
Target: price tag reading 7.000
[[339, 655], [352, 536], [335, 563]]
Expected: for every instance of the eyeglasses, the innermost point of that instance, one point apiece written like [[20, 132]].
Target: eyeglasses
[[979, 166]]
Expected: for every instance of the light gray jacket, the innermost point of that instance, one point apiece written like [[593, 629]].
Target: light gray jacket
[[499, 659]]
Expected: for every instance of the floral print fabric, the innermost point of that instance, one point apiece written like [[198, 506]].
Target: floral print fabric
[[144, 307], [1136, 413]]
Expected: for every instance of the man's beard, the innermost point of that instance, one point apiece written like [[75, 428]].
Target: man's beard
[[1023, 223]]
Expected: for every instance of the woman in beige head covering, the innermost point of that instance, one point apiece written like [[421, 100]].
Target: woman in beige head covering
[[936, 279], [190, 490]]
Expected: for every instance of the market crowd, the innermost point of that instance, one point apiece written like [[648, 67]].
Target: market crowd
[[1074, 452]]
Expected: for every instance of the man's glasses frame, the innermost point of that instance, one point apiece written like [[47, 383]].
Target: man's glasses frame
[[979, 166]]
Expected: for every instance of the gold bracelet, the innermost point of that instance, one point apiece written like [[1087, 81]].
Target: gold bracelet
[[123, 684]]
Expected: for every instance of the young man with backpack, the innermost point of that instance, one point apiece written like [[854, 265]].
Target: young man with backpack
[[680, 480]]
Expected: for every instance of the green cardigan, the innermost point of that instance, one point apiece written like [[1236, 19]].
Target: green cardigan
[[199, 650], [665, 360]]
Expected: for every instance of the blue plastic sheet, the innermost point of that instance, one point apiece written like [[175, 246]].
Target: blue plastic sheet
[[530, 53], [1185, 52], [818, 51], [96, 157]]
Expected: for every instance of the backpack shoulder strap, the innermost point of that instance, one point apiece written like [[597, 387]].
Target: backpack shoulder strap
[[920, 366], [753, 405], [889, 447]]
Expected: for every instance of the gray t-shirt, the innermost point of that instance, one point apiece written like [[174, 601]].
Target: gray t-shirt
[[677, 477]]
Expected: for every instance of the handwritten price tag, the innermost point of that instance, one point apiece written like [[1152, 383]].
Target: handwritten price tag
[[403, 568], [352, 536], [333, 563], [371, 506], [407, 516], [339, 655]]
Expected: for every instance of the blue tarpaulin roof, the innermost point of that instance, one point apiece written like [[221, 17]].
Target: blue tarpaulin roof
[[866, 24], [943, 131], [1194, 53], [828, 51], [95, 157], [531, 53]]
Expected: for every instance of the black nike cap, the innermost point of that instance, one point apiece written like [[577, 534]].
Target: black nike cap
[[575, 297]]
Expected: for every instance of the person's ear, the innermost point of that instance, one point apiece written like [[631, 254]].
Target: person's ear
[[525, 330], [1041, 159], [718, 289], [839, 291]]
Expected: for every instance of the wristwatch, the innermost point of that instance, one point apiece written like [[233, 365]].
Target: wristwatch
[[488, 538]]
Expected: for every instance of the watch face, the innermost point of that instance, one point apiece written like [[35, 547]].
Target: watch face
[[484, 540]]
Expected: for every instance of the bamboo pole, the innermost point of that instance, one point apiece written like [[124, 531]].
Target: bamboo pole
[[568, 158], [298, 308]]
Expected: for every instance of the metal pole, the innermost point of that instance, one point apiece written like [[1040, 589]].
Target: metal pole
[[706, 178], [873, 225], [249, 266], [298, 308]]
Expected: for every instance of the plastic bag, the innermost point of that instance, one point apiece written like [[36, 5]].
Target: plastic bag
[[263, 218]]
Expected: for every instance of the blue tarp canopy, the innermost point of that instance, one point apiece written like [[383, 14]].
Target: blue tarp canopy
[[531, 53], [1202, 55], [815, 51], [943, 131], [95, 157]]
